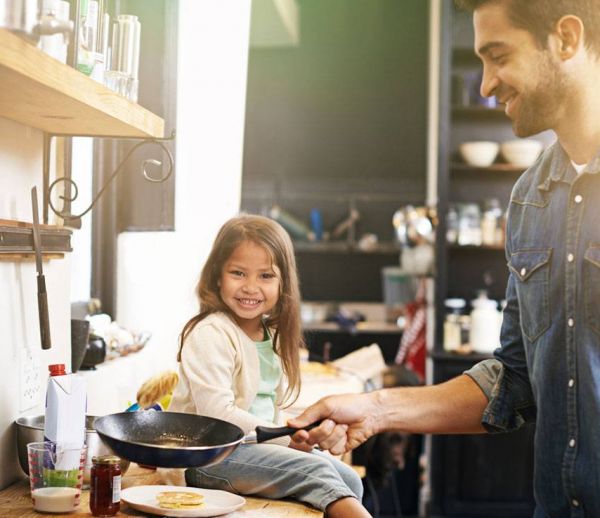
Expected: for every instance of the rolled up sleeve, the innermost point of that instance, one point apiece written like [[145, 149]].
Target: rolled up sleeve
[[505, 379]]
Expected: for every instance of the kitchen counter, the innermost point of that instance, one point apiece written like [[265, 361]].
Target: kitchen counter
[[15, 501]]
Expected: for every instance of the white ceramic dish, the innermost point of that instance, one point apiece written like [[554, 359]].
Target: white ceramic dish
[[216, 503], [479, 153], [521, 153]]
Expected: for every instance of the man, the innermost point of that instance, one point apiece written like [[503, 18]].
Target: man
[[541, 58]]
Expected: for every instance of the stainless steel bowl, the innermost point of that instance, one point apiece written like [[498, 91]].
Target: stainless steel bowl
[[31, 429]]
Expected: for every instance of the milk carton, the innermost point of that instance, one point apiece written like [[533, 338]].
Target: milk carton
[[64, 422]]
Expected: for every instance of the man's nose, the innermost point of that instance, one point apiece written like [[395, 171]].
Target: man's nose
[[489, 82]]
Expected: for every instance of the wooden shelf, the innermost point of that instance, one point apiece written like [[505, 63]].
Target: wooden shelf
[[494, 168], [343, 247], [476, 247], [55, 98], [459, 357]]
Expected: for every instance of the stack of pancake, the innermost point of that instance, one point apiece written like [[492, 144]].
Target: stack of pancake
[[180, 500]]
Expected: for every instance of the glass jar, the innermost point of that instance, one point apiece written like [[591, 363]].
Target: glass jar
[[452, 330], [105, 485]]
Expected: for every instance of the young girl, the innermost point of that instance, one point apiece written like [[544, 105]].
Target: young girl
[[239, 362]]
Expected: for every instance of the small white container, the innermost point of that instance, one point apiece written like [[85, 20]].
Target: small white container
[[479, 153], [485, 325], [522, 152]]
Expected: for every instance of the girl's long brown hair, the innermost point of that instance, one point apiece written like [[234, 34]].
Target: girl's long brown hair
[[285, 316]]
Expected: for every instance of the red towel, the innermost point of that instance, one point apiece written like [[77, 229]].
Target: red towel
[[412, 350]]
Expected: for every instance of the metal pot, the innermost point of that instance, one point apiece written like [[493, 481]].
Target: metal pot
[[177, 440], [25, 18]]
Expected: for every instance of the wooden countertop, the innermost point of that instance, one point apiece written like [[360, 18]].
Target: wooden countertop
[[16, 501]]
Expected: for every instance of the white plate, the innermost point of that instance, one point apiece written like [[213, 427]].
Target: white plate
[[216, 503]]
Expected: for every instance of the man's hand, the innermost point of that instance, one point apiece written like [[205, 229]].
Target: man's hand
[[348, 421]]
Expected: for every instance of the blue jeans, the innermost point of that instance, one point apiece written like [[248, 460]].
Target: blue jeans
[[274, 471]]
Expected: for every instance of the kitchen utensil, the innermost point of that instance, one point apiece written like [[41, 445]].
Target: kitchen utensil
[[177, 440], [41, 280], [56, 475], [31, 429]]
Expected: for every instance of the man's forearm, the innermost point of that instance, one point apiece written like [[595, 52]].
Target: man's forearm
[[455, 406]]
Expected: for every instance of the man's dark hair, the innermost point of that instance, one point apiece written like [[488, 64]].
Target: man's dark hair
[[540, 16]]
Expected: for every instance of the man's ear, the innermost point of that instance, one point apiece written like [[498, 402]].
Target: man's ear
[[570, 35]]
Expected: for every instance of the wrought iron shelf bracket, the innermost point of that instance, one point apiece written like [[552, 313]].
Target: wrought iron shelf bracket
[[71, 189]]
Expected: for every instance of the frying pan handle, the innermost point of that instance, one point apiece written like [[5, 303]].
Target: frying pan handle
[[266, 433]]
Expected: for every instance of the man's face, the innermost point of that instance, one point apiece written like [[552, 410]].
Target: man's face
[[527, 79]]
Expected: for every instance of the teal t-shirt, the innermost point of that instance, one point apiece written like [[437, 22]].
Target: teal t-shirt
[[270, 374]]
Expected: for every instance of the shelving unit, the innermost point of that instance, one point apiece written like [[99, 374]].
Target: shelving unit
[[472, 475], [340, 246], [458, 167], [43, 93]]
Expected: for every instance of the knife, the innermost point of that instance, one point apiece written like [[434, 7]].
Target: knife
[[41, 280]]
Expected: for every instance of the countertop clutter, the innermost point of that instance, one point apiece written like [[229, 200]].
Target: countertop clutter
[[16, 501]]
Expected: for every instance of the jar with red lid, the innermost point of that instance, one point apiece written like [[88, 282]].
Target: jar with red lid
[[105, 485]]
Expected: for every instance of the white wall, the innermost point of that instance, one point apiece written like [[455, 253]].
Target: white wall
[[157, 271], [20, 350]]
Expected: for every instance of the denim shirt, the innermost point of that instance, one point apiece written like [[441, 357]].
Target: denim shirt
[[547, 369]]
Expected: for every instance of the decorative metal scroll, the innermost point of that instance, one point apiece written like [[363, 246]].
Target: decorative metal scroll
[[74, 220]]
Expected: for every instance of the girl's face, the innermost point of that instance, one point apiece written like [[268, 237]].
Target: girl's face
[[249, 286]]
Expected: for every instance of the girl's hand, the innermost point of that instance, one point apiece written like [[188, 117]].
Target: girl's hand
[[300, 445]]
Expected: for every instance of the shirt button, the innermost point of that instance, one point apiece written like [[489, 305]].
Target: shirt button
[[571, 383], [575, 502], [578, 198], [523, 271], [572, 443], [570, 258], [570, 322]]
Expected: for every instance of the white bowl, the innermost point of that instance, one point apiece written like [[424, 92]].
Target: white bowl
[[480, 153], [521, 153]]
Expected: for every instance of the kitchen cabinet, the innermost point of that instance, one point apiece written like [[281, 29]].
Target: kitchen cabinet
[[480, 475]]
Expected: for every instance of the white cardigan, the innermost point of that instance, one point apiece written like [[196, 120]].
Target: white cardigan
[[219, 375]]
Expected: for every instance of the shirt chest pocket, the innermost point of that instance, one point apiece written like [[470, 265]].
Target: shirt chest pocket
[[531, 269], [591, 274]]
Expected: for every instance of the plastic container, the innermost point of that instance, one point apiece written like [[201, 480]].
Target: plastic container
[[485, 325]]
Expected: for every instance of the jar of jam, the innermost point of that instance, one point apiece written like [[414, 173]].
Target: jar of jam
[[105, 485]]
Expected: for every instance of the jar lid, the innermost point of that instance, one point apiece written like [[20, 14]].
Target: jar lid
[[106, 459], [57, 369]]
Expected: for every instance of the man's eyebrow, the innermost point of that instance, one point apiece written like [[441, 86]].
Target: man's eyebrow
[[488, 47]]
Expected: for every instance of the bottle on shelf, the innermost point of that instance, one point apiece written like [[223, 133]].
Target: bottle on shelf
[[452, 327], [485, 324], [452, 225], [469, 225], [491, 225]]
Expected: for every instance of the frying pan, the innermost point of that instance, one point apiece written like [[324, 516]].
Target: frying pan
[[177, 440]]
